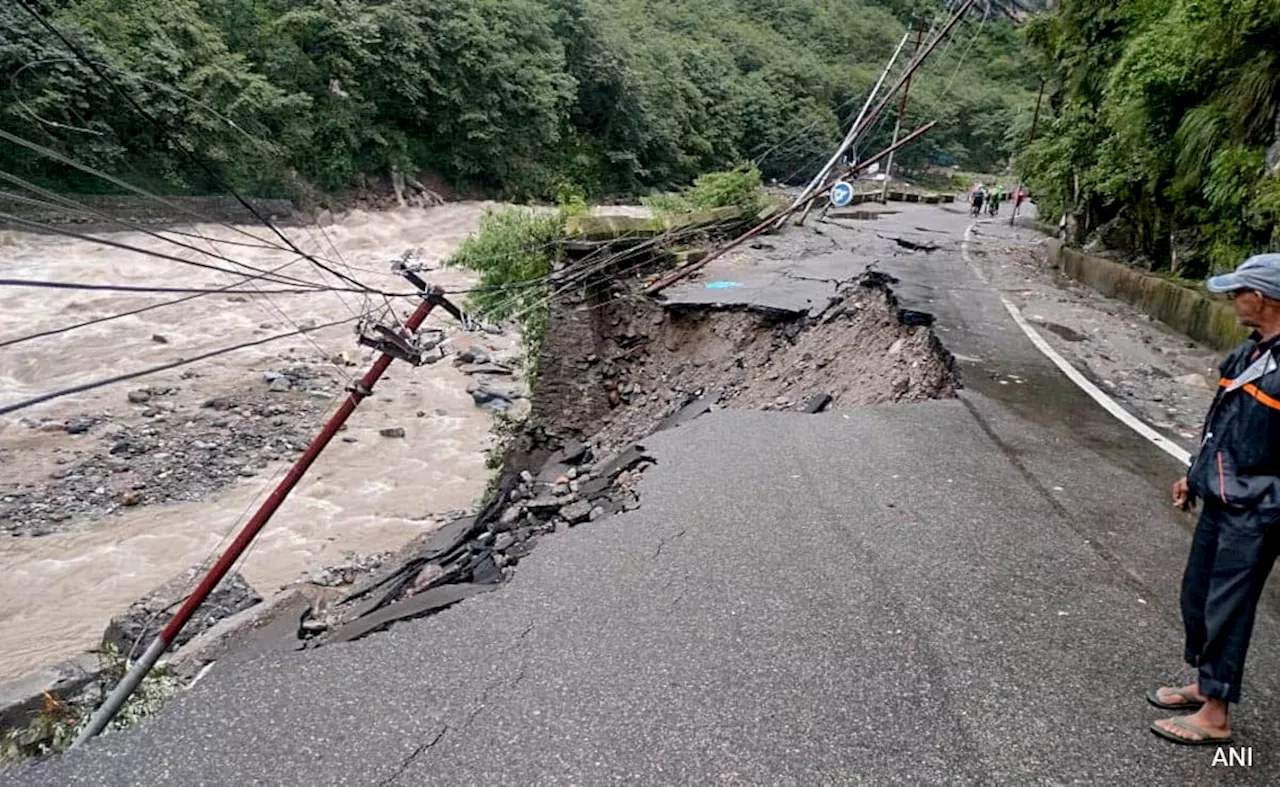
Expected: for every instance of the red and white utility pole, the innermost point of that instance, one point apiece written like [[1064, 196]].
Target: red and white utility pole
[[394, 345], [1031, 137]]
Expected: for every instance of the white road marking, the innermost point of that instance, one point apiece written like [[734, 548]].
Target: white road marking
[[1110, 405]]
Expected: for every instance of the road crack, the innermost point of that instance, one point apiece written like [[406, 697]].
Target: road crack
[[413, 755], [664, 542]]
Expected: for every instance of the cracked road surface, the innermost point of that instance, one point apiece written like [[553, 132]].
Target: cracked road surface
[[971, 591]]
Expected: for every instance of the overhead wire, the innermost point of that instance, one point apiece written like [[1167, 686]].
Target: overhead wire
[[119, 315], [161, 255], [61, 158], [271, 305], [119, 378], [157, 290], [164, 133], [52, 199]]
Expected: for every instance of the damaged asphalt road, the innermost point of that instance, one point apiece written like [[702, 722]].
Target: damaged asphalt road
[[971, 591]]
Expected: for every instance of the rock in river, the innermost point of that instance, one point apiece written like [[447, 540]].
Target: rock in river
[[146, 616]]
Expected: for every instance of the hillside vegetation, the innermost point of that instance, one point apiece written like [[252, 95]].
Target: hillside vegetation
[[1162, 136], [519, 98]]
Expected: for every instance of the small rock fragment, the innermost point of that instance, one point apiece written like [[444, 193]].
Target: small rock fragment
[[141, 396], [394, 431], [159, 338], [576, 512]]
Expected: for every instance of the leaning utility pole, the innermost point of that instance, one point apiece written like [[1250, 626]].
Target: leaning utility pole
[[394, 345], [1031, 137], [854, 130], [897, 124], [861, 127], [680, 273]]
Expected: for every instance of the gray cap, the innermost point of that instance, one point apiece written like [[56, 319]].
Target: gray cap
[[1260, 272]]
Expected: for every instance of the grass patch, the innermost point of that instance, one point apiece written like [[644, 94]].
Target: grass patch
[[514, 253], [58, 724], [740, 187]]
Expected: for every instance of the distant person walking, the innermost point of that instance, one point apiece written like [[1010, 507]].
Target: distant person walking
[[1236, 474], [997, 196], [978, 197]]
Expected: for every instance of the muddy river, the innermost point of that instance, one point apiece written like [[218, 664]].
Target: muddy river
[[367, 493]]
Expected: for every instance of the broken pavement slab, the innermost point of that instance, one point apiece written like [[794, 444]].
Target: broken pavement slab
[[698, 406], [413, 607], [786, 286], [817, 404], [626, 460], [131, 631], [271, 626]]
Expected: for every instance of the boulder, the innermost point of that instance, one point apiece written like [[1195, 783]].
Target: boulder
[[146, 616]]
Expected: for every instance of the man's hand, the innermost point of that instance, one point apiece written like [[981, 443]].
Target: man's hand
[[1181, 495]]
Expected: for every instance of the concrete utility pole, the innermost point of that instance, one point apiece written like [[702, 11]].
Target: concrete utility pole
[[862, 126], [854, 131], [1031, 137], [902, 111]]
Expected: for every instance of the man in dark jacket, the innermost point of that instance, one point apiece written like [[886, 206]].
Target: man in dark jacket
[[1236, 473]]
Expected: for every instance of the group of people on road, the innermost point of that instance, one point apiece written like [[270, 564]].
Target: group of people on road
[[982, 197], [991, 199]]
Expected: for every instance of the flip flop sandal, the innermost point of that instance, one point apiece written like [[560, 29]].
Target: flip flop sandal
[[1204, 739], [1189, 700]]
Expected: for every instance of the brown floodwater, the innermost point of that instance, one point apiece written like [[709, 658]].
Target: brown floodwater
[[57, 592]]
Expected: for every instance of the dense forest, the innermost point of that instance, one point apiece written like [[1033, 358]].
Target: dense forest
[[1161, 135], [517, 98]]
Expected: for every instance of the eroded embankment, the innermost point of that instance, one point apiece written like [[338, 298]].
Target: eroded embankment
[[615, 368]]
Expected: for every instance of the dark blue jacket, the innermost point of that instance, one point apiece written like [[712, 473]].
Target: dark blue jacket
[[1238, 464]]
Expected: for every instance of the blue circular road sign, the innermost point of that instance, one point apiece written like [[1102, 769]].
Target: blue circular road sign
[[841, 194]]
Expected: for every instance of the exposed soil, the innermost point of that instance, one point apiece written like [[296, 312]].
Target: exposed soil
[[615, 365]]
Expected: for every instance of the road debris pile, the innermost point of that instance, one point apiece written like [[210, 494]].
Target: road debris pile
[[472, 554]]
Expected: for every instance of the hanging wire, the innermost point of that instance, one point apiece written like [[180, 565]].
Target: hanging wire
[[153, 290], [117, 316], [164, 133], [52, 199], [119, 378]]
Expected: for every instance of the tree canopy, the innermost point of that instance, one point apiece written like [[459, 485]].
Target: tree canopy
[[517, 97], [1163, 133]]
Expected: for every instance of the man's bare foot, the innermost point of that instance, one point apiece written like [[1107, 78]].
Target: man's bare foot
[[1212, 718], [1171, 696]]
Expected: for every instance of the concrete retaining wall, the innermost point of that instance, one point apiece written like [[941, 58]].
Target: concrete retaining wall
[[1194, 313], [609, 227], [902, 196]]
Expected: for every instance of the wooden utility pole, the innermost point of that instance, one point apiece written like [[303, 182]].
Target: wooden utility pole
[[1031, 137], [902, 111]]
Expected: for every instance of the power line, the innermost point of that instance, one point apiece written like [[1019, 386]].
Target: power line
[[77, 285], [108, 318], [59, 201], [164, 133], [89, 386], [50, 153], [163, 256]]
